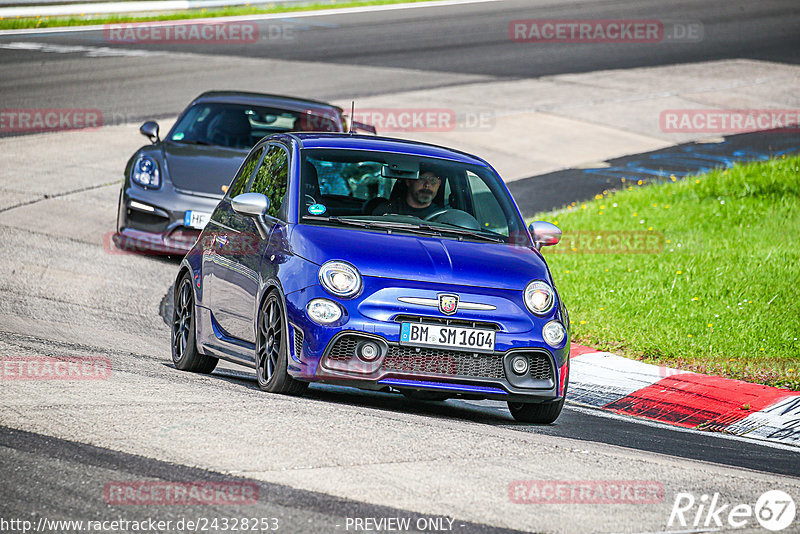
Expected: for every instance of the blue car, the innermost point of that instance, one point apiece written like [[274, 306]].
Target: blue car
[[380, 264]]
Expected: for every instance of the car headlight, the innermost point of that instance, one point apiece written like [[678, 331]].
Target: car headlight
[[323, 311], [145, 172], [554, 333], [340, 278], [539, 297]]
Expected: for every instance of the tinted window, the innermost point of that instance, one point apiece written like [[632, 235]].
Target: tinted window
[[271, 179], [378, 188], [239, 183], [486, 208], [242, 126]]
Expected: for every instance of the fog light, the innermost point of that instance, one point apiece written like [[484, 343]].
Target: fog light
[[519, 364], [369, 351], [554, 333], [323, 311]]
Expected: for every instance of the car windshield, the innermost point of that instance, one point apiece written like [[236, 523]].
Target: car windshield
[[241, 126], [403, 193]]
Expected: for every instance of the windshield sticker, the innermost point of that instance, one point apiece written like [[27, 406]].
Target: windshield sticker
[[317, 209]]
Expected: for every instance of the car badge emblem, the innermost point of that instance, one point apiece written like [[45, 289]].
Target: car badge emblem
[[448, 304]]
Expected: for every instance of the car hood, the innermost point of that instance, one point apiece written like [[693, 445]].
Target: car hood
[[423, 259], [202, 169]]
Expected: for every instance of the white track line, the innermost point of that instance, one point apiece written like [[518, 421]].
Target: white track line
[[267, 16]]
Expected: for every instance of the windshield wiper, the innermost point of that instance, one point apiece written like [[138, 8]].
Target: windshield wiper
[[421, 229], [463, 232]]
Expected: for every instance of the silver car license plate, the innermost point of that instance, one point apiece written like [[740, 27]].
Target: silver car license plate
[[196, 219]]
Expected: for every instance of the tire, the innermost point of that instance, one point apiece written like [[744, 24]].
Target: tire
[[184, 333], [542, 413], [272, 349], [433, 396]]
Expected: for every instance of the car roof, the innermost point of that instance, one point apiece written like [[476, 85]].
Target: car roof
[[263, 99], [380, 144]]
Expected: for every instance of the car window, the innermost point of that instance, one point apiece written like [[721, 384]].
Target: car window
[[486, 207], [242, 126], [239, 183], [271, 179], [361, 180], [467, 199]]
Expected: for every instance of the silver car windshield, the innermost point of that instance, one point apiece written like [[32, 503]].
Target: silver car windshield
[[241, 126]]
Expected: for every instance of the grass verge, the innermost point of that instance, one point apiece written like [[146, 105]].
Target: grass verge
[[88, 19], [701, 274]]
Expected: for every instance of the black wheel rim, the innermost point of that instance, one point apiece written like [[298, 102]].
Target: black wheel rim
[[270, 336], [182, 320]]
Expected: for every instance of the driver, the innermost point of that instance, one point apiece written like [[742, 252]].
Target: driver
[[418, 200]]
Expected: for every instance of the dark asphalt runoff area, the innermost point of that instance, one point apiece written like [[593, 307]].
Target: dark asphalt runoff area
[[555, 190]]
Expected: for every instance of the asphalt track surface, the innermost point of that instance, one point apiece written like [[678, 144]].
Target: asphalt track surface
[[428, 48]]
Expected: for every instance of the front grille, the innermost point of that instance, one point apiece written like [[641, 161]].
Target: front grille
[[541, 368], [344, 348], [444, 362], [149, 222], [298, 341], [446, 321]]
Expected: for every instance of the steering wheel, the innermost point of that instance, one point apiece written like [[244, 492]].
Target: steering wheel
[[455, 217], [311, 199], [436, 214]]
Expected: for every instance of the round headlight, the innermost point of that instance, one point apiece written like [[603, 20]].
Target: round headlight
[[323, 311], [554, 333], [539, 297], [145, 172], [340, 278]]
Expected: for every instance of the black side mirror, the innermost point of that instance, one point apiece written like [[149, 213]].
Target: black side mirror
[[150, 130]]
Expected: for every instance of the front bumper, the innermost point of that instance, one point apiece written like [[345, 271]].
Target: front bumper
[[329, 354], [159, 229]]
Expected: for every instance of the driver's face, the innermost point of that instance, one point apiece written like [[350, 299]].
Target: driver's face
[[423, 190]]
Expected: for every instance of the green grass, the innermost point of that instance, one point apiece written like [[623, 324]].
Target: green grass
[[18, 23], [723, 295]]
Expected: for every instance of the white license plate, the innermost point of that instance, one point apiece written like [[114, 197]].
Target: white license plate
[[454, 337], [196, 219]]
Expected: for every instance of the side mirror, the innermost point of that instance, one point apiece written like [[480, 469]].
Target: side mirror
[[544, 234], [250, 204], [253, 205], [150, 130]]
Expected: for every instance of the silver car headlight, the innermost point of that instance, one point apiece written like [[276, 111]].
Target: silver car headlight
[[323, 311], [340, 278], [554, 333], [145, 172], [539, 297]]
